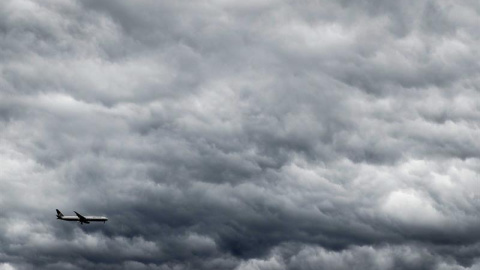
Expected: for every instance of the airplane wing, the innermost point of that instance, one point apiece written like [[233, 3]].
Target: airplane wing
[[82, 218]]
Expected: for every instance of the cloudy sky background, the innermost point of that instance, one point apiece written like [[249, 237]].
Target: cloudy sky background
[[247, 135]]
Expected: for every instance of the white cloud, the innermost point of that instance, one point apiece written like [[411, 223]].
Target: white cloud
[[410, 207]]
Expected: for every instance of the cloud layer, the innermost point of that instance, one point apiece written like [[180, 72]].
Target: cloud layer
[[240, 134]]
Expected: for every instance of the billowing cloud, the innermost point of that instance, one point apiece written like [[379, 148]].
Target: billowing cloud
[[240, 135]]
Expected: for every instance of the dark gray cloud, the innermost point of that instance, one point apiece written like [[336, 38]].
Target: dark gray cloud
[[240, 135]]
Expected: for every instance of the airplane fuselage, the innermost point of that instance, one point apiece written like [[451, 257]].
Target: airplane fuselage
[[88, 218]]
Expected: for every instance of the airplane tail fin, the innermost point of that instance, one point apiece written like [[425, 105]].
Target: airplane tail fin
[[59, 214]]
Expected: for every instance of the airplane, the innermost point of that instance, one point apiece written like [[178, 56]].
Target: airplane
[[80, 218]]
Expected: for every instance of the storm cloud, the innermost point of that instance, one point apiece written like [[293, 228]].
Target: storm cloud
[[240, 134]]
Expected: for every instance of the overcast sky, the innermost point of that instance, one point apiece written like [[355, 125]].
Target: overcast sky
[[246, 135]]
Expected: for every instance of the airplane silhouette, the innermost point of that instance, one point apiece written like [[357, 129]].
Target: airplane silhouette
[[80, 218]]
